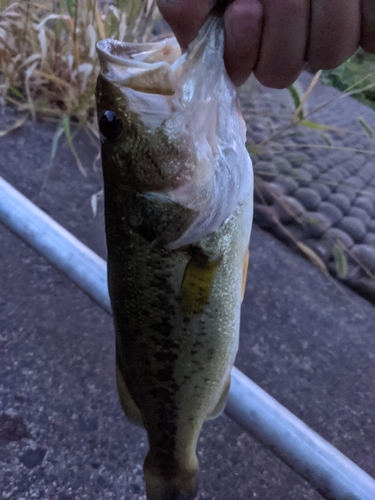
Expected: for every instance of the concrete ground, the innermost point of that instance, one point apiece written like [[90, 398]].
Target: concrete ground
[[306, 339]]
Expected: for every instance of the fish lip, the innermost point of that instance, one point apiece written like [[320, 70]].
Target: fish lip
[[148, 67], [120, 53]]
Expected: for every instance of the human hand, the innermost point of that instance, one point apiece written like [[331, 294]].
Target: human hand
[[275, 38]]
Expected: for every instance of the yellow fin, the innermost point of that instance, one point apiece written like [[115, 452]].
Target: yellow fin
[[220, 405], [197, 283], [131, 410], [244, 271]]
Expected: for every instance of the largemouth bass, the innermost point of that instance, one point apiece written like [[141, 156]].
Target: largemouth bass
[[178, 211]]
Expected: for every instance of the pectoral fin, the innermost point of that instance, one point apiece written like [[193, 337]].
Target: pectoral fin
[[197, 283]]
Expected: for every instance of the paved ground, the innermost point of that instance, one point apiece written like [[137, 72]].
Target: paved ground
[[306, 339], [316, 186]]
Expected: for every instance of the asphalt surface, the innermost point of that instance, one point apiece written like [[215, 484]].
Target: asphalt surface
[[305, 338]]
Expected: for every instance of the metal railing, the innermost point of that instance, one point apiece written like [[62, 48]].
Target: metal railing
[[330, 472]]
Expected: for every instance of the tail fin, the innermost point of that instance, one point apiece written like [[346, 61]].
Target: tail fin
[[180, 486]]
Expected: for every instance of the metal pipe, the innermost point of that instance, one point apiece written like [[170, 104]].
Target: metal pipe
[[330, 472], [61, 248]]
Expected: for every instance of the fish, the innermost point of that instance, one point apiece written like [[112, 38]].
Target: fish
[[178, 191]]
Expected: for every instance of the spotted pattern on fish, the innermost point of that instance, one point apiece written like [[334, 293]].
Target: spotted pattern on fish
[[176, 311]]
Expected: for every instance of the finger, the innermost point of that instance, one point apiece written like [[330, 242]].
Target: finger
[[367, 40], [283, 43], [334, 32], [185, 17], [243, 26]]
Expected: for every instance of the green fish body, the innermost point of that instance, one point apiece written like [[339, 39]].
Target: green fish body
[[177, 239]]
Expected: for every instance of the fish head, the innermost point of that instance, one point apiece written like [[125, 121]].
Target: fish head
[[135, 98], [170, 124]]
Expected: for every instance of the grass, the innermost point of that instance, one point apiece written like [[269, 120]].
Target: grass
[[360, 66], [48, 58]]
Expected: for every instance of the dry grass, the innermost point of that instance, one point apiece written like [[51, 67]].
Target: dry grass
[[48, 58]]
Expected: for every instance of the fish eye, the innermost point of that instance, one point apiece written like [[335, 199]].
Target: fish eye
[[110, 125]]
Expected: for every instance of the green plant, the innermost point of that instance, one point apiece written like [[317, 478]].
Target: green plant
[[358, 73]]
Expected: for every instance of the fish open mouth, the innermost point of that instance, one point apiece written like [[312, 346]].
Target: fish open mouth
[[145, 67]]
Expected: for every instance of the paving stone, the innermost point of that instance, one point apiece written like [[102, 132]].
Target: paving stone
[[284, 167], [356, 163], [354, 227], [303, 177], [344, 170], [264, 216], [328, 179], [366, 203], [322, 188], [360, 214], [257, 137], [265, 170], [309, 198], [276, 189], [313, 170], [266, 156], [371, 226], [320, 165], [336, 176], [337, 158], [315, 224], [369, 239], [347, 191], [366, 255], [288, 183], [367, 172], [331, 211], [340, 201], [299, 159], [288, 208], [338, 235], [355, 182], [266, 192]]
